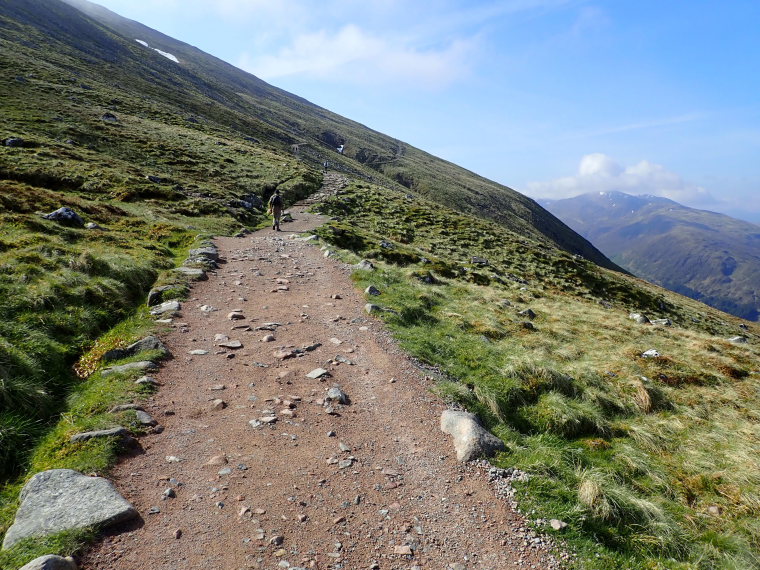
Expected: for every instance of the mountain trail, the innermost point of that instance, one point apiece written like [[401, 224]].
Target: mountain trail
[[256, 469]]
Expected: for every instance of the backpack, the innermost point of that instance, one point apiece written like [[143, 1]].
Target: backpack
[[275, 201]]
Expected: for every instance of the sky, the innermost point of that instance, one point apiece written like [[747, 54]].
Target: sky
[[553, 98]]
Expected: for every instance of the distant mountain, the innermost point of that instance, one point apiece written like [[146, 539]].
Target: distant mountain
[[707, 256]]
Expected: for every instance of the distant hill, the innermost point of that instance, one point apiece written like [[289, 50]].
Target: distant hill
[[707, 256]]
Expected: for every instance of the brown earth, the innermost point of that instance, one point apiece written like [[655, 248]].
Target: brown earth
[[374, 484]]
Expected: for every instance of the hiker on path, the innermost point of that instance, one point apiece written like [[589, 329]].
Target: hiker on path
[[275, 209]]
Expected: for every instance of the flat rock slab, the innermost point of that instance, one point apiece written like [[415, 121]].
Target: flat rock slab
[[147, 381], [167, 307], [210, 252], [142, 365], [117, 431], [63, 499], [471, 440], [318, 373], [50, 562], [371, 309], [192, 273]]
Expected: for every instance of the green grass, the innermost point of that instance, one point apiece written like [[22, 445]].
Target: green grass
[[635, 454], [65, 544], [86, 408]]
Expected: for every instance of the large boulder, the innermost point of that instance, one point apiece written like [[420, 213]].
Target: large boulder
[[738, 340], [471, 440], [639, 318], [51, 562], [63, 499], [65, 216]]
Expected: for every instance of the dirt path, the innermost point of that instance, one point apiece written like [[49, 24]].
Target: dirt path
[[373, 485]]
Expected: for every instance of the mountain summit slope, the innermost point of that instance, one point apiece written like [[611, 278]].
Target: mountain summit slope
[[707, 256], [215, 91]]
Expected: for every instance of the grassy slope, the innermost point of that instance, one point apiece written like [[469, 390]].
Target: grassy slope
[[641, 454], [283, 119]]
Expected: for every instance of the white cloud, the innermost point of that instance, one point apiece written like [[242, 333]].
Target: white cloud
[[353, 54], [600, 173]]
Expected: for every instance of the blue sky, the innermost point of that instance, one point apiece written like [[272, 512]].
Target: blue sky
[[550, 97]]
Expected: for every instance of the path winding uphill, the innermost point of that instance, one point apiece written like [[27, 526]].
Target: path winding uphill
[[265, 472]]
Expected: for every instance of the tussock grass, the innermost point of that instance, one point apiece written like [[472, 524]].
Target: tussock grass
[[634, 453], [86, 408]]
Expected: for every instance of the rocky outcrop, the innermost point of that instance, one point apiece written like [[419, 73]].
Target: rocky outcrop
[[63, 499], [156, 295], [471, 440]]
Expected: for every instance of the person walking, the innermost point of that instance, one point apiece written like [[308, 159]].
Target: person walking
[[275, 208]]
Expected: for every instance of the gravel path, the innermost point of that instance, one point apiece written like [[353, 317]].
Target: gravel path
[[254, 469]]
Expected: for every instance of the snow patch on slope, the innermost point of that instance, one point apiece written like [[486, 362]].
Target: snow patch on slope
[[166, 54]]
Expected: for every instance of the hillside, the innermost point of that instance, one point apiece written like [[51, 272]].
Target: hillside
[[649, 460], [707, 256], [202, 93]]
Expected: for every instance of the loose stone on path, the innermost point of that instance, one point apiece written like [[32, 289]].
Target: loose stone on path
[[318, 373]]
